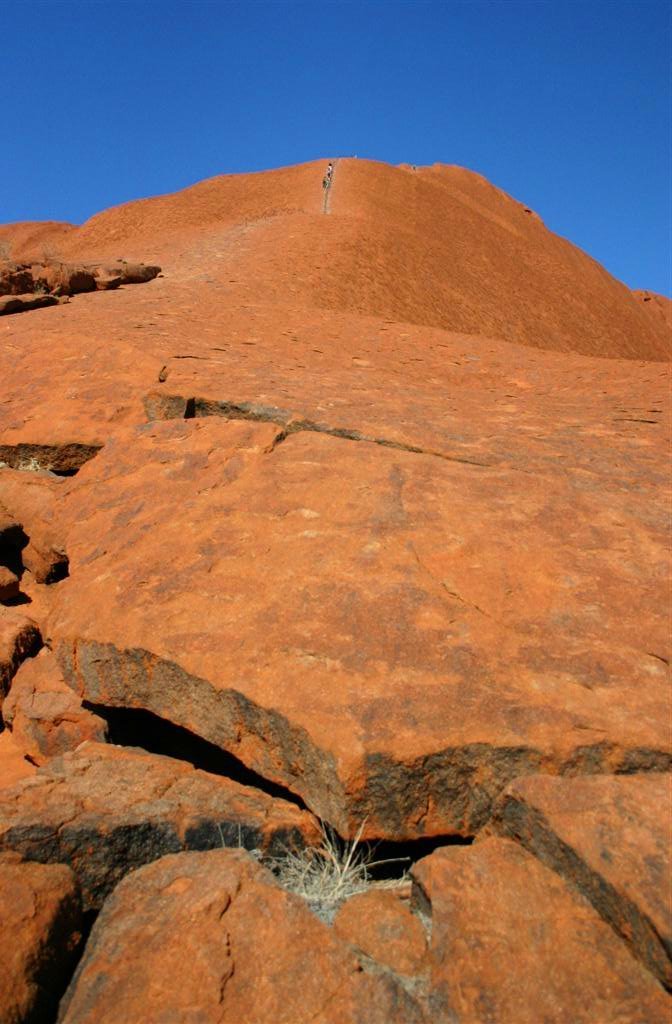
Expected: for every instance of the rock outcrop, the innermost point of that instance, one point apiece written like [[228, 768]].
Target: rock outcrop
[[211, 937], [607, 838], [42, 928], [512, 942], [45, 716], [31, 286], [391, 635], [359, 513], [107, 810]]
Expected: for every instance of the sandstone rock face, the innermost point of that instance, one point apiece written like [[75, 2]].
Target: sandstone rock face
[[210, 937], [41, 925], [45, 716], [9, 584], [106, 810], [395, 541], [269, 237], [24, 287], [24, 303], [19, 638], [31, 499], [13, 765], [392, 635], [381, 925], [511, 942], [611, 839]]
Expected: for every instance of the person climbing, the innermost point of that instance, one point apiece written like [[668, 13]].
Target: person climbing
[[330, 171]]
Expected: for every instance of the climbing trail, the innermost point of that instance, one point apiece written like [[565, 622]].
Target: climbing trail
[[326, 203]]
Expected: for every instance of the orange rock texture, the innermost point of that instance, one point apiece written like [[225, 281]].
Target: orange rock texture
[[358, 511]]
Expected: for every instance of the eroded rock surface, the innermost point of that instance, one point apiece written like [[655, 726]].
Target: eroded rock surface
[[107, 810], [41, 927], [391, 635], [31, 499], [380, 924], [610, 838], [31, 286], [19, 638], [431, 556], [13, 765], [512, 942], [210, 937], [45, 716]]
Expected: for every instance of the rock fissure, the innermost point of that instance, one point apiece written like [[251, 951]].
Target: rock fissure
[[528, 826], [60, 459], [179, 407], [461, 783]]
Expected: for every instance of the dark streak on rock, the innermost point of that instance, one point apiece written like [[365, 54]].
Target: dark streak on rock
[[528, 826], [176, 406]]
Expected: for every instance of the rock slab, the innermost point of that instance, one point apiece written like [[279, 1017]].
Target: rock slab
[[46, 718], [511, 942], [210, 938], [611, 839], [41, 927], [107, 810]]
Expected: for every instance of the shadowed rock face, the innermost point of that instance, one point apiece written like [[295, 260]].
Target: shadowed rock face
[[42, 927], [106, 810]]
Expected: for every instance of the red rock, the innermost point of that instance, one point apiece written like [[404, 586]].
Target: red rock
[[107, 810], [541, 291], [62, 278], [611, 839], [45, 716], [9, 584], [211, 937], [24, 303], [511, 942], [32, 500], [41, 922], [15, 279], [382, 926], [13, 764], [360, 624], [128, 273], [19, 638]]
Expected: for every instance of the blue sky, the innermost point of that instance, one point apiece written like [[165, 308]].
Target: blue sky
[[565, 104]]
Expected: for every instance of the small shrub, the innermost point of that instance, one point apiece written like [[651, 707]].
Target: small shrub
[[327, 875]]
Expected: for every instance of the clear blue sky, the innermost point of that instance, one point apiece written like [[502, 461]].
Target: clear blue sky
[[564, 104]]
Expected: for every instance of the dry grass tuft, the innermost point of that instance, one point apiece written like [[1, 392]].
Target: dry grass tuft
[[327, 875]]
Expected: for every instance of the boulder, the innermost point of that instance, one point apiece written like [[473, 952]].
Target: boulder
[[45, 716], [512, 942], [32, 499], [9, 584], [41, 923], [610, 839], [107, 810], [24, 303], [63, 278], [15, 279], [135, 273], [392, 635], [211, 937], [380, 924], [19, 639]]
